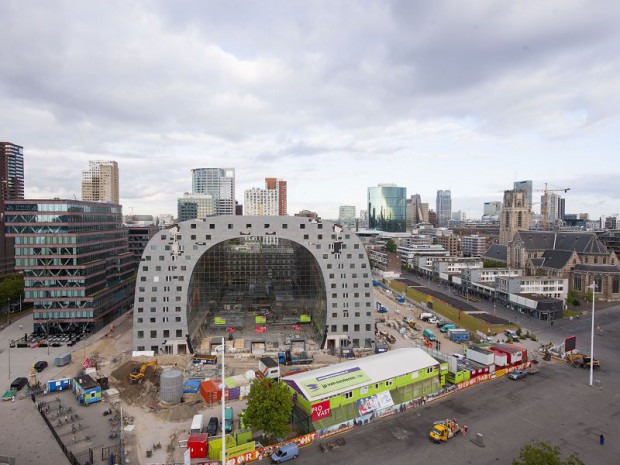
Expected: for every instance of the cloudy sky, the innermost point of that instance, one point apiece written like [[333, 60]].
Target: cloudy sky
[[333, 96]]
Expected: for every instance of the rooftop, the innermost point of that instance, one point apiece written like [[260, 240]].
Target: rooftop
[[352, 374]]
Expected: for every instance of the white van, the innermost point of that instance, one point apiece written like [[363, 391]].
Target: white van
[[426, 316]]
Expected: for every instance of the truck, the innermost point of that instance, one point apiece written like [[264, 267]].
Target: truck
[[197, 424], [228, 420], [428, 334], [444, 430], [289, 358], [583, 361], [459, 335], [269, 368]]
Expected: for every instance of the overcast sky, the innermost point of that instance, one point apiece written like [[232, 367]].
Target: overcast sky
[[332, 96]]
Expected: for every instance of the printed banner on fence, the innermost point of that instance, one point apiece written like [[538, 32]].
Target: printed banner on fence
[[231, 329], [260, 319], [220, 321], [261, 329], [304, 318], [297, 327]]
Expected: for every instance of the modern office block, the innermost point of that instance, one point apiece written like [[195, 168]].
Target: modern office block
[[219, 183], [78, 271], [387, 208]]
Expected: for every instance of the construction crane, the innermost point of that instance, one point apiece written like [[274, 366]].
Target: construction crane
[[544, 212]]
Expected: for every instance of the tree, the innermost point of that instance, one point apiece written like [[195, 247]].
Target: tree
[[571, 299], [269, 407], [543, 453], [390, 246], [11, 288]]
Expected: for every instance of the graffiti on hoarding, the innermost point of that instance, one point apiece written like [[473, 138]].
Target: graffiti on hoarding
[[265, 452]]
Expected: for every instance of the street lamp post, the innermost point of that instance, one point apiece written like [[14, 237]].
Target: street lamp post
[[223, 405], [593, 287], [10, 359]]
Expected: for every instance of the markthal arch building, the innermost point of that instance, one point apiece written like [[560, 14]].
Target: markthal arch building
[[258, 276]]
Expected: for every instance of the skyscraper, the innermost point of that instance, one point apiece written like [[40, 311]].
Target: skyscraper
[[218, 182], [551, 201], [527, 187], [280, 186], [11, 171], [387, 208], [12, 180], [100, 182], [444, 207], [417, 212]]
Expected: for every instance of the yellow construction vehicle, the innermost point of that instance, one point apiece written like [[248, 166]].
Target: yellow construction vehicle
[[137, 372], [581, 360], [444, 430]]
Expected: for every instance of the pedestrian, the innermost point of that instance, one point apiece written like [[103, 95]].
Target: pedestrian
[[464, 430], [20, 327], [602, 440]]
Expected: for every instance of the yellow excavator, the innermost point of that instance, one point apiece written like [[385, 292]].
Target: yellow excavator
[[137, 372]]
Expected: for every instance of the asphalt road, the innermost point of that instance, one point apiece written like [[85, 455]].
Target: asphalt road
[[556, 405]]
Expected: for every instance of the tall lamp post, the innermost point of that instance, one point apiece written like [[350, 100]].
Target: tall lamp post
[[593, 287], [223, 405]]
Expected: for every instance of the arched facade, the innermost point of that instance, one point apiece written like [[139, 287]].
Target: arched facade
[[188, 272]]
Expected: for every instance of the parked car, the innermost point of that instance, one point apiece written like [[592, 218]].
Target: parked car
[[213, 426], [407, 319], [433, 320], [40, 366], [517, 374], [440, 323], [19, 383]]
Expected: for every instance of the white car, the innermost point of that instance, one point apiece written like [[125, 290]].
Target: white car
[[433, 320]]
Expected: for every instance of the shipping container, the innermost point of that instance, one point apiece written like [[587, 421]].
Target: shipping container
[[459, 335], [515, 355], [198, 445], [483, 356], [62, 360], [58, 384], [501, 359]]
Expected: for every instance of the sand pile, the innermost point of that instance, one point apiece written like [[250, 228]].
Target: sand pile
[[146, 392]]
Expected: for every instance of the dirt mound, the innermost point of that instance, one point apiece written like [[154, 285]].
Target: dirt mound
[[144, 392], [193, 403]]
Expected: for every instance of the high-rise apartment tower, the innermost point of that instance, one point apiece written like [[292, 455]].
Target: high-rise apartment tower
[[280, 186], [100, 182]]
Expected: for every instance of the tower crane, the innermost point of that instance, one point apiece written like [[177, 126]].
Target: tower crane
[[544, 205]]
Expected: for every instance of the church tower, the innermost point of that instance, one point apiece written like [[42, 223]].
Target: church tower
[[516, 215]]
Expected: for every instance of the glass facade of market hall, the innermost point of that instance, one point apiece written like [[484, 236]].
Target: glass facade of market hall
[[258, 275]]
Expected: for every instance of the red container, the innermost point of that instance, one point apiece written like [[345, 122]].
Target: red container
[[198, 445], [210, 392]]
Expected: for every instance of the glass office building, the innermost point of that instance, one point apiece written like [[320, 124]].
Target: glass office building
[[78, 271], [387, 208]]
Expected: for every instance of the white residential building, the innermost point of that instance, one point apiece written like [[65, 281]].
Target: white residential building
[[261, 202]]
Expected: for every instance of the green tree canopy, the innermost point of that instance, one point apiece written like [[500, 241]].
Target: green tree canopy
[[390, 246], [543, 453], [11, 287], [269, 407]]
